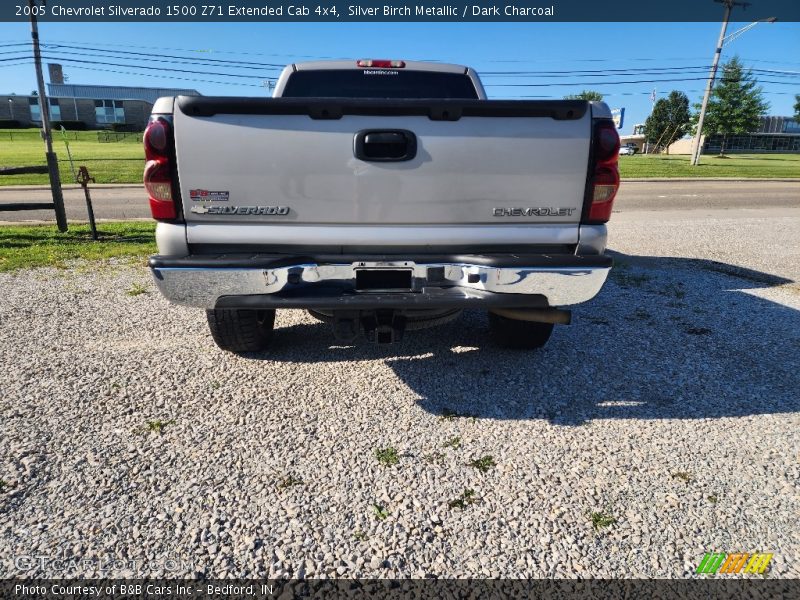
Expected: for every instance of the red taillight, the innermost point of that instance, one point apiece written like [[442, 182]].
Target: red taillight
[[157, 176], [381, 64], [605, 173]]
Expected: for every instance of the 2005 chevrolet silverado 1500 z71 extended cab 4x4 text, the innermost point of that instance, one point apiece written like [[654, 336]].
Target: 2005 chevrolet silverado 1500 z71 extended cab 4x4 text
[[380, 196]]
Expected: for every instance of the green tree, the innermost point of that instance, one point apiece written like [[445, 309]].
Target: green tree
[[736, 104], [797, 108], [585, 95], [669, 121]]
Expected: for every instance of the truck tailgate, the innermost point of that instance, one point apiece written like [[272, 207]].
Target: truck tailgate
[[263, 162]]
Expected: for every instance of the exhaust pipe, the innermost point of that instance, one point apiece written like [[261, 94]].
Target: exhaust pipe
[[539, 315]]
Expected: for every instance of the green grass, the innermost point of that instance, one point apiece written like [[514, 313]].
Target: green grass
[[111, 162], [122, 162], [29, 246], [734, 165], [137, 289]]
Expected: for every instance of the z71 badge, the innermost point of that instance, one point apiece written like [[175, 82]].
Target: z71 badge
[[208, 196], [241, 210]]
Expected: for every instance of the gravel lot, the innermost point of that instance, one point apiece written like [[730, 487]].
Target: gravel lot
[[670, 406]]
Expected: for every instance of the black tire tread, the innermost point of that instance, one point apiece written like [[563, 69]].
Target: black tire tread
[[239, 330]]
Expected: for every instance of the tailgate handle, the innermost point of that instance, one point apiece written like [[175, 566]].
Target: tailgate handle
[[387, 145]]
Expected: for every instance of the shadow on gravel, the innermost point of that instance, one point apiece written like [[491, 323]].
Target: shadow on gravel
[[667, 338]]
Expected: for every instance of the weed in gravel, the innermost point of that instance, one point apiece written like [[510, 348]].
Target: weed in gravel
[[3, 485], [435, 458], [448, 414], [387, 456], [683, 476], [698, 330], [137, 289], [453, 442], [360, 536], [712, 498], [600, 519], [381, 512], [483, 464], [215, 385], [287, 481], [464, 500], [157, 425]]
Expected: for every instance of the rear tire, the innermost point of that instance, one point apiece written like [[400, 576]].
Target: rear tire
[[520, 335], [241, 330]]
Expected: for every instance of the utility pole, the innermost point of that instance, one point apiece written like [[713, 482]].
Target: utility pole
[[44, 109], [729, 4]]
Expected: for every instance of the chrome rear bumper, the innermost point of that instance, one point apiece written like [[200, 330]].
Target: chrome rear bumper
[[279, 282]]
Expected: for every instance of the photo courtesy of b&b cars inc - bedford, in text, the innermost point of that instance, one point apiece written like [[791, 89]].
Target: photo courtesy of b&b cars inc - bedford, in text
[[400, 299]]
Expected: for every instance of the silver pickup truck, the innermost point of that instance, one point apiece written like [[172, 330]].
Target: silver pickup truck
[[381, 196]]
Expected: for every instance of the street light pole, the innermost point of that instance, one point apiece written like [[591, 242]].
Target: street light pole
[[729, 4], [44, 109], [11, 107]]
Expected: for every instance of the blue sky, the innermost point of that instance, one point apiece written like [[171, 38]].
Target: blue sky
[[561, 49]]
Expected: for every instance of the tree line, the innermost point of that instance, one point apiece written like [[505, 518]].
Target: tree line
[[735, 106]]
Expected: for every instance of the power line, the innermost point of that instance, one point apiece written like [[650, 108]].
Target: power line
[[146, 67], [325, 57], [542, 75], [169, 77], [56, 46], [238, 52], [586, 83]]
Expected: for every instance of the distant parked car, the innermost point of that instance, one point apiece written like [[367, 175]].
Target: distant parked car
[[628, 150]]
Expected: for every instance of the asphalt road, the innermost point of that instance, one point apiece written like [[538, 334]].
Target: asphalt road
[[129, 202]]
